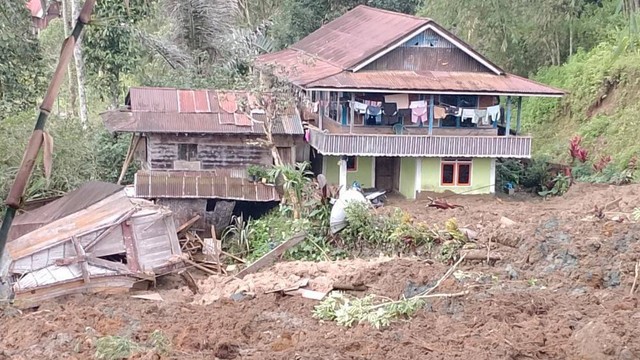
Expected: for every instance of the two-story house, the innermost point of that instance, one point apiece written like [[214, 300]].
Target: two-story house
[[194, 148], [400, 103]]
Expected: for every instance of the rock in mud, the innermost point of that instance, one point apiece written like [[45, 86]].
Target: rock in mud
[[612, 279], [511, 272], [595, 341]]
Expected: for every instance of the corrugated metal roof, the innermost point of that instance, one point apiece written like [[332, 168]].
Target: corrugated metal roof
[[435, 81], [201, 185], [358, 34], [297, 66], [421, 145], [165, 110], [74, 201]]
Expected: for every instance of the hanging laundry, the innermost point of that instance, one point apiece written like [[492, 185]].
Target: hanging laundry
[[389, 108], [316, 107], [468, 114], [402, 100], [452, 110], [439, 112], [419, 114], [493, 112], [374, 115], [373, 103], [417, 104], [359, 107], [479, 116], [307, 135]]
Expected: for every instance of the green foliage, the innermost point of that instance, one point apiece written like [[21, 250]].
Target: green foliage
[[348, 311], [112, 150], [115, 348], [390, 232], [561, 185], [110, 47], [21, 66], [257, 172], [160, 343], [299, 18]]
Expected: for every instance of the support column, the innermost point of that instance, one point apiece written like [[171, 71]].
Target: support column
[[343, 173], [519, 115], [320, 109], [492, 177], [431, 111], [507, 130], [353, 113], [339, 109]]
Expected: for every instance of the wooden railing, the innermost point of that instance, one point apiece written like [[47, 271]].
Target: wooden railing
[[420, 145]]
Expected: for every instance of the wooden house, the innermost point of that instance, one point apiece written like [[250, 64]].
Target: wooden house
[[400, 103], [94, 238], [194, 148]]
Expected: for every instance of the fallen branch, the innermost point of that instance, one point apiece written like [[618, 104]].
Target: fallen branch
[[481, 255]]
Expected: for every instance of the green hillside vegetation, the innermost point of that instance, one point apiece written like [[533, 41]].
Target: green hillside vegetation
[[602, 106]]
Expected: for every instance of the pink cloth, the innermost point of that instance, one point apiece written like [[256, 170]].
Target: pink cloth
[[418, 113], [307, 135]]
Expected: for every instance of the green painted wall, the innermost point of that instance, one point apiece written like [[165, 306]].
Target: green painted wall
[[408, 177], [362, 174], [480, 177]]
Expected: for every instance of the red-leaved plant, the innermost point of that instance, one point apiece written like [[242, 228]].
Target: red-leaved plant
[[576, 151], [602, 163]]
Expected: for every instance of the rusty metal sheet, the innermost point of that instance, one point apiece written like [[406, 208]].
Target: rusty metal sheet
[[201, 98], [186, 101], [358, 34], [153, 99], [298, 67], [434, 81], [201, 185], [421, 145]]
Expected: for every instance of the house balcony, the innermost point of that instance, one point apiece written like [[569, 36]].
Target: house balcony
[[419, 144]]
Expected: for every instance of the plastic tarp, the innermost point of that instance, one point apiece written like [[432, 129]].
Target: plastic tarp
[[338, 219]]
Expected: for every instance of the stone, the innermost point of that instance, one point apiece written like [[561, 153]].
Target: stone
[[512, 272]]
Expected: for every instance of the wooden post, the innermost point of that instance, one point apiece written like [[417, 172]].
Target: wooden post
[[135, 139], [33, 147], [339, 109], [431, 111], [320, 108], [507, 129], [82, 256], [353, 113], [519, 115]]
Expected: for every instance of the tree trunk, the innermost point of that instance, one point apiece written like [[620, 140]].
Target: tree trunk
[[72, 84], [79, 60]]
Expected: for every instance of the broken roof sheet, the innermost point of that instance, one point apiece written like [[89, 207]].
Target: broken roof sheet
[[165, 110]]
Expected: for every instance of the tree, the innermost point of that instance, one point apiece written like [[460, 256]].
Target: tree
[[111, 48], [21, 67], [79, 62]]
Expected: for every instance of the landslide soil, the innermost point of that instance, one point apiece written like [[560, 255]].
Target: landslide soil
[[560, 291]]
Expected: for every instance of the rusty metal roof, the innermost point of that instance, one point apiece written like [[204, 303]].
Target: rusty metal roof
[[201, 185], [298, 67], [164, 110], [358, 34], [436, 81]]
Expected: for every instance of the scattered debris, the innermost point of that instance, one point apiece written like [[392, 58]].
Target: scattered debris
[[506, 222], [442, 204], [308, 294], [191, 283], [269, 257], [480, 255], [300, 284], [350, 287], [151, 296], [188, 224]]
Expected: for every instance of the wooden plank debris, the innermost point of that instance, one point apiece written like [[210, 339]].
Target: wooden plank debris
[[271, 256], [442, 204], [308, 294], [350, 287], [81, 255], [191, 283], [151, 296], [188, 224]]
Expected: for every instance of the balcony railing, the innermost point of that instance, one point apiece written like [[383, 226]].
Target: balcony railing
[[420, 145]]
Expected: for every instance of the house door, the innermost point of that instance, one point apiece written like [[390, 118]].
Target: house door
[[387, 173]]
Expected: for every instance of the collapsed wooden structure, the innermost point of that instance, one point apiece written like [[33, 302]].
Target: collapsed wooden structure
[[93, 239]]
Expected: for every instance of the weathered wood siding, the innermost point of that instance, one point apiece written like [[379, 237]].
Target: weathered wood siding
[[427, 52]]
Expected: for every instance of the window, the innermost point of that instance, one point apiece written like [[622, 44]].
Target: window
[[352, 163], [456, 172], [187, 152]]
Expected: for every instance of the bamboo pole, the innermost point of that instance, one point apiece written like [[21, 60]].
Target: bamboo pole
[[21, 181]]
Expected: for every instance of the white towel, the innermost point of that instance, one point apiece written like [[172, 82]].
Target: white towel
[[359, 107], [468, 113], [402, 100], [494, 113]]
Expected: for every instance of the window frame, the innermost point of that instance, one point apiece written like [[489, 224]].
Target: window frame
[[456, 171], [191, 149]]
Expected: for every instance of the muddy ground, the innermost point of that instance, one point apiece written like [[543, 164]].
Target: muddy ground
[[561, 291]]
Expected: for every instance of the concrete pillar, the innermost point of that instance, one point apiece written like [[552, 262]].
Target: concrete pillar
[[343, 173]]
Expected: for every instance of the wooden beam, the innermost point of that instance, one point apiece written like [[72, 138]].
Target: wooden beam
[[127, 160], [507, 130], [188, 224], [104, 234], [120, 268], [431, 112], [271, 256], [83, 263]]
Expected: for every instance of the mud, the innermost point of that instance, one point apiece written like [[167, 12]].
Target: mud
[[561, 291]]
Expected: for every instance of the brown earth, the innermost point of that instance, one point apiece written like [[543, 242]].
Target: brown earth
[[561, 291]]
